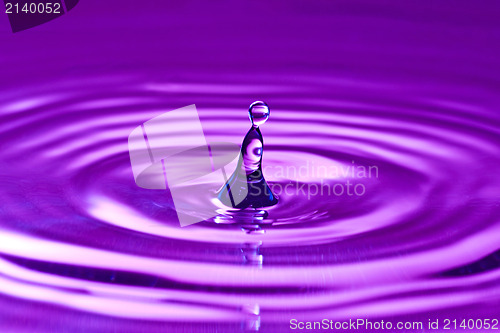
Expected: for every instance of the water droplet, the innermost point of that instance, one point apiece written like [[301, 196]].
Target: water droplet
[[247, 187], [259, 113]]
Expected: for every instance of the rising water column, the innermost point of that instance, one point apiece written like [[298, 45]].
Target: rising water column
[[247, 187]]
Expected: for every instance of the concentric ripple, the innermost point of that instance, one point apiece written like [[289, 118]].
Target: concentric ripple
[[78, 233]]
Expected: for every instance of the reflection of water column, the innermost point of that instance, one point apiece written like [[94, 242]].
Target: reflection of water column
[[252, 321], [251, 254], [249, 220], [253, 257]]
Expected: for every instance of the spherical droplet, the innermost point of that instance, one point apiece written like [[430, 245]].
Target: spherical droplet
[[259, 113]]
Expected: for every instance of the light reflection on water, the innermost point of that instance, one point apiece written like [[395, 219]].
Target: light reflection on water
[[77, 233]]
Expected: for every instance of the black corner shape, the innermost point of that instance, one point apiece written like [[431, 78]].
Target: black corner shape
[[26, 14]]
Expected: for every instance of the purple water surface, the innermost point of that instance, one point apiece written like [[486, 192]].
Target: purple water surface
[[408, 86]]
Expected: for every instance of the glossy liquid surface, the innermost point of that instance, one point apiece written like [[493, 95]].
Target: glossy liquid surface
[[411, 89]]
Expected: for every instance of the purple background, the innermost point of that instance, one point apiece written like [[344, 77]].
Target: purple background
[[409, 86]]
